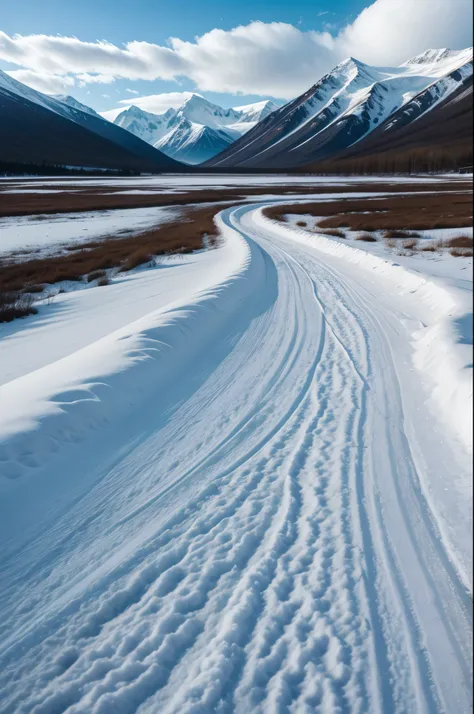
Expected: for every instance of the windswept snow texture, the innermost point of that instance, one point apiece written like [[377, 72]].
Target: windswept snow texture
[[228, 485]]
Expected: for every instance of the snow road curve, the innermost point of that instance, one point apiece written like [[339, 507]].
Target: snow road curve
[[261, 539]]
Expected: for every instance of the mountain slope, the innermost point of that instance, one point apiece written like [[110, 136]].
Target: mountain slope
[[40, 129], [196, 131], [145, 125], [194, 143], [415, 140], [345, 106], [72, 102]]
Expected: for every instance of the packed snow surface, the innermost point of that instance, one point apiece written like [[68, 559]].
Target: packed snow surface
[[228, 486]]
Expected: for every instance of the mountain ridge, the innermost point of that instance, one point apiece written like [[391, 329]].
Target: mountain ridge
[[29, 119], [342, 108], [195, 131]]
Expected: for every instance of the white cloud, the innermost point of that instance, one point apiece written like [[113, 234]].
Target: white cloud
[[274, 59], [159, 103], [132, 91], [42, 81], [155, 103], [86, 78], [112, 114], [391, 31]]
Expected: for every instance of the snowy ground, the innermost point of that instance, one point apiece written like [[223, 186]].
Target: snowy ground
[[239, 483], [198, 181], [46, 234]]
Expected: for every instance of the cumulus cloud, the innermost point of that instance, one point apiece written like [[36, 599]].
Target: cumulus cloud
[[86, 78], [154, 103], [391, 31], [43, 81], [259, 58], [276, 58]]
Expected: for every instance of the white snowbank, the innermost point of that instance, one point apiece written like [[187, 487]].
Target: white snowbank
[[66, 397], [442, 347]]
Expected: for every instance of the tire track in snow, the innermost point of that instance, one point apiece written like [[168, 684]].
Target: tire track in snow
[[273, 581], [412, 627]]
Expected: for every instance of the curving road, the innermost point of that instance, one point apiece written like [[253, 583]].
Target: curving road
[[262, 542]]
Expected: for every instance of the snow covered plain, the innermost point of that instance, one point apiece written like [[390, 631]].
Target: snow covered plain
[[47, 234], [196, 181], [229, 485]]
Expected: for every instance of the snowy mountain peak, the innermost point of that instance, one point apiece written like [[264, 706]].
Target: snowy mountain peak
[[197, 130], [442, 55], [134, 112], [257, 111], [346, 105], [72, 102]]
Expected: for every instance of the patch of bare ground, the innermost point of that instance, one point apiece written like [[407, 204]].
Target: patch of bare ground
[[410, 212], [95, 258], [77, 198]]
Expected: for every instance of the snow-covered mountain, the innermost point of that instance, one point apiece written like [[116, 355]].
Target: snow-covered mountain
[[147, 126], [41, 129], [345, 106], [196, 131], [72, 102]]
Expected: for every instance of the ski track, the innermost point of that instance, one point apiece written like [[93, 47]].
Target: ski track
[[266, 548]]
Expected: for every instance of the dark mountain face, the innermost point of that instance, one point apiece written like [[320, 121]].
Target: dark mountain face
[[34, 133], [440, 138], [349, 104]]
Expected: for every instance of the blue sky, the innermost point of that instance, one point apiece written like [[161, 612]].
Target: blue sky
[[281, 48]]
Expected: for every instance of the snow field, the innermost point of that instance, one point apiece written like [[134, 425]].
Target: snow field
[[246, 532], [441, 347], [51, 234]]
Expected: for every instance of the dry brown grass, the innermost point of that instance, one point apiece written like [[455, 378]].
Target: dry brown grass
[[400, 234], [302, 224], [184, 236], [96, 275], [335, 232], [34, 289], [14, 304], [404, 214], [140, 257], [103, 281], [461, 252], [459, 242], [366, 237], [78, 198], [410, 244]]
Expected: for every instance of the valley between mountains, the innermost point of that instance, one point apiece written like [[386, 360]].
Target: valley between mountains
[[235, 477]]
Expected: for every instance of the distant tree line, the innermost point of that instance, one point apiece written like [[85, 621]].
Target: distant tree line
[[409, 161], [11, 168]]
